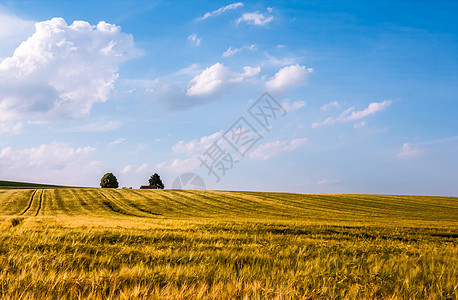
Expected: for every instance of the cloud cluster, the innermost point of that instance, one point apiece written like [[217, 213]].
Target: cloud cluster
[[62, 70], [269, 150], [48, 163], [352, 115], [191, 150], [287, 78], [217, 80]]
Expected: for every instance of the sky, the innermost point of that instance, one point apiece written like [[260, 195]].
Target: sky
[[288, 96]]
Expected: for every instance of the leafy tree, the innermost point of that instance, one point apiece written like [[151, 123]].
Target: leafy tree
[[155, 180], [109, 181]]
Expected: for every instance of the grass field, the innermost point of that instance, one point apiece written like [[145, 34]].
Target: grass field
[[93, 243]]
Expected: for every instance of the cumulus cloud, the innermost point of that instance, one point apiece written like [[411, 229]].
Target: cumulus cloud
[[191, 151], [328, 106], [50, 163], [269, 150], [255, 18], [409, 151], [292, 106], [206, 85], [62, 70], [194, 40], [209, 81], [218, 78], [352, 115], [287, 78], [221, 10]]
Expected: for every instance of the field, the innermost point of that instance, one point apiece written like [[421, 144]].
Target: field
[[169, 244]]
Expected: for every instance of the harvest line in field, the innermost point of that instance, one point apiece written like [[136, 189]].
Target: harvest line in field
[[369, 209]]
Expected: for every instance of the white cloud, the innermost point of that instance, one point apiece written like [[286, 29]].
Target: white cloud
[[371, 109], [292, 106], [49, 163], [279, 62], [221, 10], [11, 26], [232, 51], [13, 31], [196, 146], [352, 115], [255, 18], [101, 126], [126, 169], [206, 85], [329, 105], [11, 127], [139, 148], [409, 151], [191, 149], [61, 71], [118, 141], [179, 165], [144, 168], [288, 77], [218, 78], [209, 81], [194, 40], [247, 73], [360, 125], [269, 150]]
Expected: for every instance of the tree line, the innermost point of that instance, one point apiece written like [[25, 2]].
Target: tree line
[[110, 181]]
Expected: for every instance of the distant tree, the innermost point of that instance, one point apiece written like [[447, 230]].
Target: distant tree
[[155, 180], [109, 181]]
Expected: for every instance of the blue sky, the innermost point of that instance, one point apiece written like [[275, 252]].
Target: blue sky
[[137, 87]]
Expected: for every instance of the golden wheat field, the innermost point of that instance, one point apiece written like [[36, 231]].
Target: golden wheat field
[[92, 243]]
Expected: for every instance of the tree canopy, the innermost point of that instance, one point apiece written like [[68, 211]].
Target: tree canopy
[[109, 181], [155, 180]]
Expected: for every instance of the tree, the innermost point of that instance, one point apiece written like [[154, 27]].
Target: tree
[[109, 181], [155, 180]]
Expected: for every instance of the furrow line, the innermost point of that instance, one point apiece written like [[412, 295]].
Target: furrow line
[[30, 203], [40, 203], [114, 207]]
